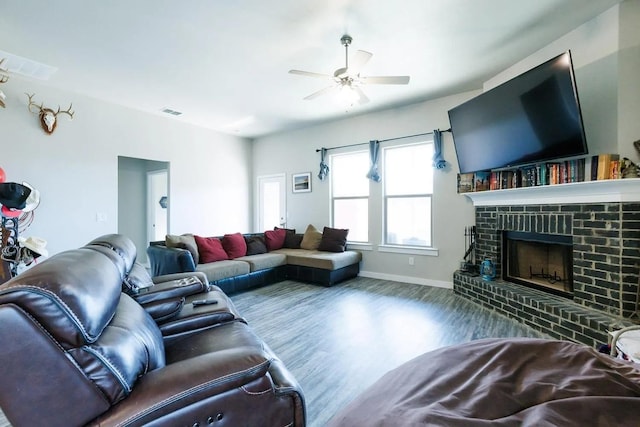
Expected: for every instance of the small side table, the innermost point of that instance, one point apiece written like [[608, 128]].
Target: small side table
[[625, 343]]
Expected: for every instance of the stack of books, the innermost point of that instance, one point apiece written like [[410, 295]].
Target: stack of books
[[465, 183], [603, 166]]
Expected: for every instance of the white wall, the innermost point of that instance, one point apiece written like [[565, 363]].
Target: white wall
[[606, 56], [606, 59], [629, 77], [295, 151], [76, 168], [213, 175]]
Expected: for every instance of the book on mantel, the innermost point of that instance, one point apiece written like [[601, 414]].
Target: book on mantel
[[465, 182], [605, 166]]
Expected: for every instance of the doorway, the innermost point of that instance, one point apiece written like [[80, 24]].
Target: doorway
[[157, 205], [134, 192], [272, 202]]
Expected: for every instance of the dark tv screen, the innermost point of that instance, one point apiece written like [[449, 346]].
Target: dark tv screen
[[531, 118]]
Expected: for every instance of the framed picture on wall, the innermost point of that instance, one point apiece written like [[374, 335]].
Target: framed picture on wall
[[301, 182]]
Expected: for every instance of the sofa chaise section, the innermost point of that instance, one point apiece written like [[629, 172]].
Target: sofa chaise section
[[321, 267]]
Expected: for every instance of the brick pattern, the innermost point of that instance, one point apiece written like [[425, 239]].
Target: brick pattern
[[556, 316], [606, 243], [606, 268], [630, 257]]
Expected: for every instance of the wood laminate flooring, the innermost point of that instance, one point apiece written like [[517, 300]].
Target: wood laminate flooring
[[337, 341]]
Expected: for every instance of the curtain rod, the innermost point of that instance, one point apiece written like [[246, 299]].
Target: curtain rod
[[381, 140]]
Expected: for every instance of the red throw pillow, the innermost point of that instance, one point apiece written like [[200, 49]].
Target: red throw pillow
[[234, 245], [210, 249], [274, 239]]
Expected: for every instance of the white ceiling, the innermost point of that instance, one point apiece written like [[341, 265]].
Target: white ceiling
[[224, 64]]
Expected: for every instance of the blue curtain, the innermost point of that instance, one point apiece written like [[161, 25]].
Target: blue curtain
[[438, 161], [374, 149], [324, 169]]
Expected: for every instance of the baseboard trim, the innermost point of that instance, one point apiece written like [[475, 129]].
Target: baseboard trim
[[407, 279]]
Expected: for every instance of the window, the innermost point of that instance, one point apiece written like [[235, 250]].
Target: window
[[350, 194], [405, 193], [408, 188]]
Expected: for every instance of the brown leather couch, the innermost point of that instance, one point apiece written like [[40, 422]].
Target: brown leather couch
[[77, 350]]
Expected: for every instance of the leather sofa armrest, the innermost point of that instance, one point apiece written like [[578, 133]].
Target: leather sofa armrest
[[175, 390], [177, 276], [165, 309], [190, 285], [166, 260]]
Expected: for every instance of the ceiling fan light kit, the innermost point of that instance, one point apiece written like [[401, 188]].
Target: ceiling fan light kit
[[347, 81], [348, 95]]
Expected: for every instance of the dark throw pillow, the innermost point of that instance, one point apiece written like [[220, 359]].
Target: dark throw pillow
[[333, 240], [292, 241], [210, 249], [275, 238], [255, 245], [288, 230], [234, 245]]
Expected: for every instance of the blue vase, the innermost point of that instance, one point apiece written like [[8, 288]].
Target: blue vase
[[488, 270]]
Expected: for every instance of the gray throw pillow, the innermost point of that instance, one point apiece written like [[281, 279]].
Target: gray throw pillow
[[186, 241], [255, 245]]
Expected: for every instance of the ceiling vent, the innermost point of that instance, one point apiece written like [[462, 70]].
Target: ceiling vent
[[27, 67], [172, 112]]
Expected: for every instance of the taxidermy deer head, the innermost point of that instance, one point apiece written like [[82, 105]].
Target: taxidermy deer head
[[3, 79], [48, 117]]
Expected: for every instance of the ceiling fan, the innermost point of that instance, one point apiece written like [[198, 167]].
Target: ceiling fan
[[348, 80]]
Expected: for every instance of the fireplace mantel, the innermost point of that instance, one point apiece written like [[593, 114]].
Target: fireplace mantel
[[611, 190]]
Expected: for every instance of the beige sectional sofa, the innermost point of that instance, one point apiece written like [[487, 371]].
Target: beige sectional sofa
[[259, 269]]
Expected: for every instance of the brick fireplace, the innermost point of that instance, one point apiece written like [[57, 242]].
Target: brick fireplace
[[605, 237], [538, 260]]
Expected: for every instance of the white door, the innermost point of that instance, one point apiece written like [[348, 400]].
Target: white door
[[157, 205], [272, 202]]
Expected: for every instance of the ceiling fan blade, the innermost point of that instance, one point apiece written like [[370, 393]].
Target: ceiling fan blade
[[363, 98], [320, 92], [310, 74], [359, 60], [385, 80]]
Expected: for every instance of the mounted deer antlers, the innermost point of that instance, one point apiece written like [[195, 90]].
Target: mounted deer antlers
[[3, 79], [48, 117]]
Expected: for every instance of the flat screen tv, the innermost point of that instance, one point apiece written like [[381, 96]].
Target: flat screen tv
[[531, 118]]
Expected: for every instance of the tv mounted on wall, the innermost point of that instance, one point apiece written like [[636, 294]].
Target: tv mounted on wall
[[531, 118]]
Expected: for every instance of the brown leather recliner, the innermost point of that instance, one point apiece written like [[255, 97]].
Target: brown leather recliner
[[171, 300], [77, 351]]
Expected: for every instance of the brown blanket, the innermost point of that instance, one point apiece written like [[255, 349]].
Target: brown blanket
[[502, 382]]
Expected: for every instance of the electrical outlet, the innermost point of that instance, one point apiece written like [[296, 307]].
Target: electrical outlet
[[411, 260], [101, 217]]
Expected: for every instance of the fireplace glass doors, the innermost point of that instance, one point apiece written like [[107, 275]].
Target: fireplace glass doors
[[542, 261]]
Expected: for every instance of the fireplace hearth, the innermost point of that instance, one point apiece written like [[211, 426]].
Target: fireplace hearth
[[593, 260], [605, 238]]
